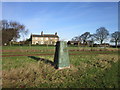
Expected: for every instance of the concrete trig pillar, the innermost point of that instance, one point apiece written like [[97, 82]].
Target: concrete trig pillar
[[61, 58]]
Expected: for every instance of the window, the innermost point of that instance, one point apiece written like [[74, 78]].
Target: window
[[41, 38], [42, 42], [46, 38], [36, 38]]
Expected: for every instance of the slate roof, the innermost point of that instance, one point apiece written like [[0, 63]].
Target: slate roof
[[45, 35]]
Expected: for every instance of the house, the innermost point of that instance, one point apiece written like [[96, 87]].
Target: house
[[105, 45], [73, 43], [44, 39], [78, 43]]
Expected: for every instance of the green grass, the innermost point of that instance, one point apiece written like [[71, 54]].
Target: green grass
[[51, 47], [86, 70], [27, 47]]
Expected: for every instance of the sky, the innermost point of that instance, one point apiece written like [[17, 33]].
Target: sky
[[68, 19]]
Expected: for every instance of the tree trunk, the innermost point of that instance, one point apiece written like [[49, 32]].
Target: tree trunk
[[101, 41], [116, 44]]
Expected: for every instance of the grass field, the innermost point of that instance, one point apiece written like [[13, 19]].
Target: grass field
[[31, 67]]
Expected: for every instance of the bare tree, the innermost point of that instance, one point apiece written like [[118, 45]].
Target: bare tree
[[115, 37], [11, 31], [101, 34], [84, 37]]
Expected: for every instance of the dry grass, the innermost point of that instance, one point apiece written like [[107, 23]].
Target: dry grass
[[40, 74], [34, 75]]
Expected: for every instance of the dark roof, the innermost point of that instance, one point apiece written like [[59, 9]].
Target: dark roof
[[73, 41], [45, 35]]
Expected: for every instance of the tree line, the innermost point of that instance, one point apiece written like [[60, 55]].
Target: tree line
[[100, 36], [12, 30]]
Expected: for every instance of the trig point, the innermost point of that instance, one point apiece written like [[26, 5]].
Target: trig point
[[61, 58]]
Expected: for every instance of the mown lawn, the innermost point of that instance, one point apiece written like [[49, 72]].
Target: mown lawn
[[88, 69]]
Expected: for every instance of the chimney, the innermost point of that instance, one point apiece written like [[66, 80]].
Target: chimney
[[42, 33], [56, 33]]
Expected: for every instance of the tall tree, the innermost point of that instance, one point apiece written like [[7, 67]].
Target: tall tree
[[84, 37], [101, 34], [11, 31], [115, 37]]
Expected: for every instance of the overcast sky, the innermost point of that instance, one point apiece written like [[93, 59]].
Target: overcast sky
[[68, 19]]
